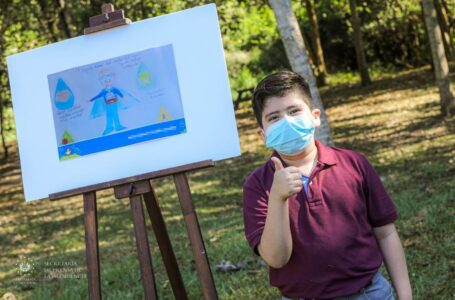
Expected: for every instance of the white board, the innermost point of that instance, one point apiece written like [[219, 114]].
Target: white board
[[205, 105]]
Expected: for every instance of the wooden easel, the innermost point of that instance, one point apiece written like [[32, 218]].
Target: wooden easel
[[138, 188]]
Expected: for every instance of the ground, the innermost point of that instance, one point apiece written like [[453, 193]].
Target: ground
[[395, 122]]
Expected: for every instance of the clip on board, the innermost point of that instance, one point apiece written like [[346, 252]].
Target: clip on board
[[139, 188]]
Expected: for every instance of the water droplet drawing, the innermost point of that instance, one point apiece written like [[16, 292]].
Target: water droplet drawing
[[144, 77], [63, 95]]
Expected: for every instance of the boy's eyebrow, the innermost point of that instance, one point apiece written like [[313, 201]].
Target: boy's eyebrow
[[293, 106], [277, 111]]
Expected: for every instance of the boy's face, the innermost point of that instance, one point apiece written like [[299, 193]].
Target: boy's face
[[107, 79], [291, 104]]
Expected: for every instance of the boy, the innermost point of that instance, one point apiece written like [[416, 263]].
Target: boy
[[318, 216], [109, 97]]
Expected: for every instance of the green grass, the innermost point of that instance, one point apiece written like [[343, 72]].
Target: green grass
[[395, 122], [341, 78]]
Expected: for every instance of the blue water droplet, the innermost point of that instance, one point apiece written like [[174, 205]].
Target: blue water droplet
[[63, 96], [144, 77]]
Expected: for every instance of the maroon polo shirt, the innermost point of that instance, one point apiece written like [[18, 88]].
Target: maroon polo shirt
[[334, 252]]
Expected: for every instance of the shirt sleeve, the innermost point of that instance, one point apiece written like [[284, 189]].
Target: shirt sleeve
[[380, 207], [101, 94], [118, 92], [254, 211]]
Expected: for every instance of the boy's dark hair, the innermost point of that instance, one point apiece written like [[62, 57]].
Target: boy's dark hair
[[279, 84]]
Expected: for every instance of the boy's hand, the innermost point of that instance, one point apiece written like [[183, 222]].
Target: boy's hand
[[286, 181]]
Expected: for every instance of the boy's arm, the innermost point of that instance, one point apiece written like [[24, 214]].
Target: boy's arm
[[275, 246], [118, 92], [394, 259], [98, 96]]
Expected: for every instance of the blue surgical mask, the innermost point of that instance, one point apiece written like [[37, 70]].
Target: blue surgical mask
[[290, 135]]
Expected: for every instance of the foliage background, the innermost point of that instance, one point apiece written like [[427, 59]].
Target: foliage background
[[394, 34]]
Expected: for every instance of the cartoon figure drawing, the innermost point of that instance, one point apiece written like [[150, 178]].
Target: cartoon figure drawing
[[109, 101]]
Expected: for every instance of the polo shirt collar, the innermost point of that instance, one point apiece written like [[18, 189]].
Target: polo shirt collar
[[326, 155]]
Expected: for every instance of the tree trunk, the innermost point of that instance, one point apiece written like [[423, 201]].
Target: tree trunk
[[450, 19], [298, 58], [2, 115], [358, 43], [307, 45], [63, 18], [2, 130], [95, 6], [4, 27], [316, 41], [46, 20], [427, 42], [143, 11], [443, 21], [441, 67]]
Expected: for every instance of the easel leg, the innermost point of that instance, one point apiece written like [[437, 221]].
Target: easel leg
[[143, 250], [91, 246], [162, 237], [194, 233]]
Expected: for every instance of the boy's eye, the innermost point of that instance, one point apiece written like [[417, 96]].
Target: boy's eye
[[273, 118], [295, 111]]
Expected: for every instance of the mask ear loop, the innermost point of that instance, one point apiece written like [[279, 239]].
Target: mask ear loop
[[263, 132]]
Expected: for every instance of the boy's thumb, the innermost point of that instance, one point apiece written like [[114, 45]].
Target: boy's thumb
[[277, 163]]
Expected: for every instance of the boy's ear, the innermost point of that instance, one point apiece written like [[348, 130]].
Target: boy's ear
[[316, 115], [261, 133]]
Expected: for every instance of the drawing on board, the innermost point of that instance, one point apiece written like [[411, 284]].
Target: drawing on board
[[116, 102], [108, 100]]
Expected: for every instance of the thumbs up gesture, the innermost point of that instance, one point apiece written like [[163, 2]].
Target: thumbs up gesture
[[286, 181]]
